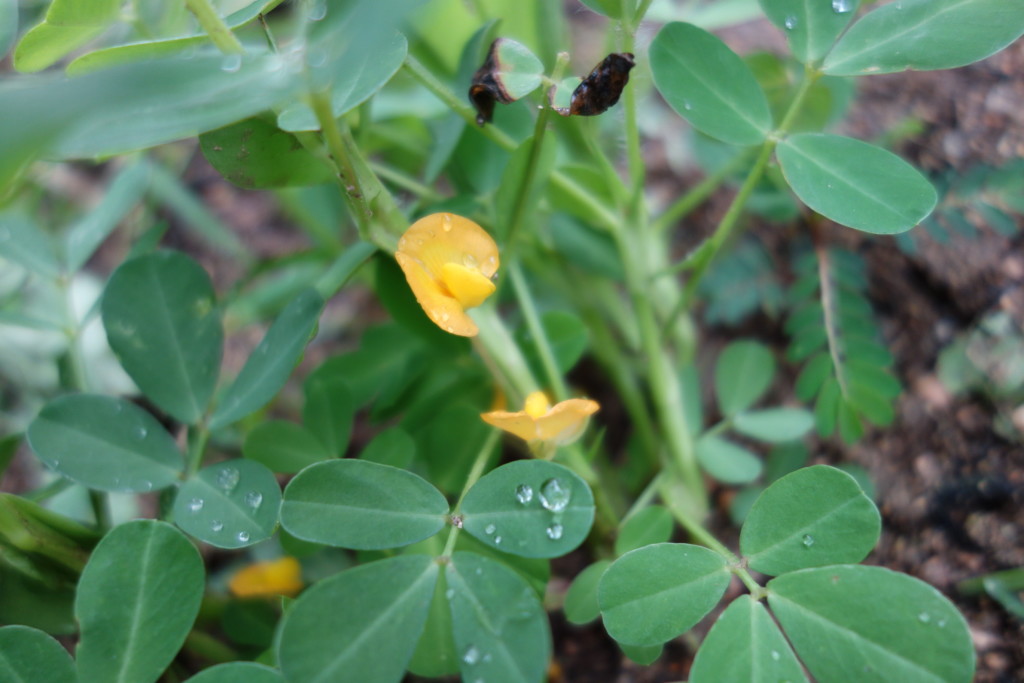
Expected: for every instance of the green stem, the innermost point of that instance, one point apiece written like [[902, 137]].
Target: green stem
[[271, 43], [343, 268], [475, 472], [100, 509], [355, 198], [634, 155], [497, 346], [215, 27], [696, 195], [198, 436], [540, 337], [599, 212], [405, 182]]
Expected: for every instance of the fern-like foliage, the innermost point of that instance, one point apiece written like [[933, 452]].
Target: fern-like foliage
[[984, 196], [742, 282], [847, 369]]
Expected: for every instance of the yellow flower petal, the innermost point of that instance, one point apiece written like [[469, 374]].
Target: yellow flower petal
[[278, 577], [560, 424], [448, 261]]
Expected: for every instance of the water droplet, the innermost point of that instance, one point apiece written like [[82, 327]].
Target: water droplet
[[776, 655], [687, 105], [490, 529], [497, 540], [243, 536], [492, 260], [445, 317], [808, 540], [253, 499], [146, 485], [470, 261], [924, 617], [227, 478], [195, 505], [450, 593], [554, 495], [941, 623], [318, 11], [524, 493], [450, 329], [317, 57], [555, 531], [402, 243], [231, 63], [842, 6], [471, 656], [446, 222], [217, 525], [790, 22], [479, 571], [141, 432]]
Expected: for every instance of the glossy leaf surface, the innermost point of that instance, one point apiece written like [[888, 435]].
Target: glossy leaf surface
[[136, 601], [709, 85], [811, 27], [501, 629], [238, 672], [105, 443], [27, 654], [872, 624], [745, 645], [855, 183], [361, 505], [815, 516], [272, 361], [231, 504], [653, 594], [531, 508], [926, 34], [256, 154], [359, 625], [162, 322]]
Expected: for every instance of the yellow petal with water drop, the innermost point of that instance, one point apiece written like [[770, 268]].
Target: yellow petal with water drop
[[468, 285], [443, 309]]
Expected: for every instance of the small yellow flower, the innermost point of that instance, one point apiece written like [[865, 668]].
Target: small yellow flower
[[448, 261], [560, 424], [278, 577]]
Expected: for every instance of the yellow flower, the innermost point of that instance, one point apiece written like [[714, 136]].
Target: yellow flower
[[448, 261], [560, 424], [278, 577]]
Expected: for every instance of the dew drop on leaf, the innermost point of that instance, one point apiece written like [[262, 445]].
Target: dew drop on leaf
[[490, 529], [554, 495], [924, 617], [497, 540], [842, 6], [231, 63], [808, 540], [554, 531], [217, 525], [471, 655], [254, 499], [524, 493], [790, 22], [775, 655], [141, 432], [243, 536], [227, 479], [195, 505]]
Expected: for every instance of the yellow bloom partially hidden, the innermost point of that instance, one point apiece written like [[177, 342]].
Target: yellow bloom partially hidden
[[559, 424], [278, 577], [448, 261]]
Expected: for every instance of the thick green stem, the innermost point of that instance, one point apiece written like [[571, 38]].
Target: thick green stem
[[198, 436], [634, 154], [215, 27], [354, 196], [540, 337]]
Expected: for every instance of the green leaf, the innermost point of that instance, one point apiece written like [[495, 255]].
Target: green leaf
[[256, 154], [815, 516], [709, 85], [871, 624], [727, 462], [358, 74], [745, 645], [855, 183], [501, 629], [361, 505], [68, 26], [238, 672], [232, 504], [154, 49], [162, 322], [105, 443], [435, 652], [137, 599], [359, 625], [653, 524], [609, 8], [775, 425], [391, 447], [24, 242], [284, 447], [120, 196], [581, 599], [271, 362], [329, 410], [925, 34], [653, 594], [743, 372], [535, 571], [531, 508], [27, 654], [644, 655], [567, 335], [811, 27]]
